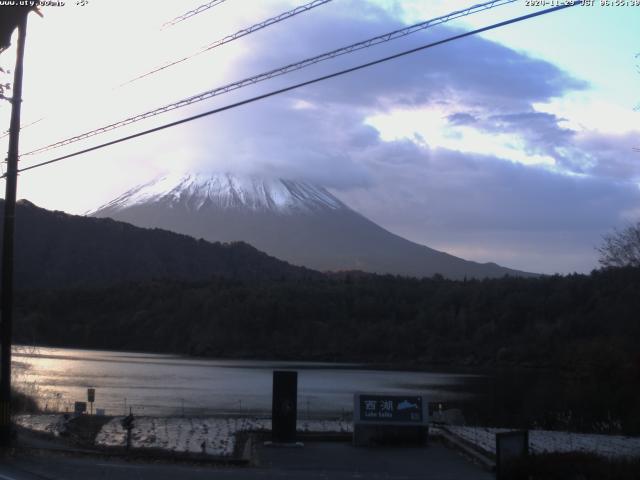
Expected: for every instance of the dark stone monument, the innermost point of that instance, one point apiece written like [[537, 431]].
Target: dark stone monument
[[511, 447], [284, 408]]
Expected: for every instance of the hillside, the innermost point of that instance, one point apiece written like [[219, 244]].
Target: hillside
[[296, 221], [54, 249]]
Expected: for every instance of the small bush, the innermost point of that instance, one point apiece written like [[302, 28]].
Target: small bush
[[22, 403]]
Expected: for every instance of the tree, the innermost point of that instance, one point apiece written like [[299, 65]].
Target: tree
[[621, 248]]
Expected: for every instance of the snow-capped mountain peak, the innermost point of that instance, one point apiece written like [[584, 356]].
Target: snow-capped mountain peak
[[301, 223], [196, 191]]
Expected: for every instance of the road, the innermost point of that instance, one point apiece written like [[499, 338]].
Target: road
[[314, 461]]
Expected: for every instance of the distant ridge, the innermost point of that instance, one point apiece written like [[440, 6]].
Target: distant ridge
[[299, 222], [57, 250]]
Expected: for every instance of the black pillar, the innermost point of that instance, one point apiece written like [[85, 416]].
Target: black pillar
[[284, 409]]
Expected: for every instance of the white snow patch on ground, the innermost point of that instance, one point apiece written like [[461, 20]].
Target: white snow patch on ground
[[179, 434], [44, 423], [545, 441], [189, 434]]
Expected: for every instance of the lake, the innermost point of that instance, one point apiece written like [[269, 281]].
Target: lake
[[154, 384]]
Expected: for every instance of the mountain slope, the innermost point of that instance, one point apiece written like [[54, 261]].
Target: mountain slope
[[54, 249], [301, 223]]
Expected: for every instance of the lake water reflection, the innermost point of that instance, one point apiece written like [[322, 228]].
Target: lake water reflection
[[155, 384]]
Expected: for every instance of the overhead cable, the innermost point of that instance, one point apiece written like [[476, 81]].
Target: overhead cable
[[22, 127], [234, 36], [217, 43], [191, 13], [299, 85], [276, 72]]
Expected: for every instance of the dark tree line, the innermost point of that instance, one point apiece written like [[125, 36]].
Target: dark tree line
[[585, 328], [509, 321]]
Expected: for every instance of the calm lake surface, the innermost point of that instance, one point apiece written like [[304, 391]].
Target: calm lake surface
[[155, 384]]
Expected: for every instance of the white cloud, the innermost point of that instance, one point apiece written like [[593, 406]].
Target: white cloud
[[431, 125]]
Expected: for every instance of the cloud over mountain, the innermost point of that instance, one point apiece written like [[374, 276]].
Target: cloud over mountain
[[473, 147]]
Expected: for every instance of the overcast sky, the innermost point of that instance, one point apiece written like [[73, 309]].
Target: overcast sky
[[515, 146]]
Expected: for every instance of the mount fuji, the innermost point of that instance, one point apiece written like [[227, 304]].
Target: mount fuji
[[295, 221]]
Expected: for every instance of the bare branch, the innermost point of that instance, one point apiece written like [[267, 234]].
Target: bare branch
[[621, 248]]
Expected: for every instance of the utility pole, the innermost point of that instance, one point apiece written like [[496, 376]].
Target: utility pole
[[6, 298]]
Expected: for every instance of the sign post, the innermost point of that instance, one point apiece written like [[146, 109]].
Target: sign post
[[380, 418], [91, 397], [127, 424]]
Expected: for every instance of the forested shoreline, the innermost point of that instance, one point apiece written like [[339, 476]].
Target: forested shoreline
[[351, 316], [586, 327]]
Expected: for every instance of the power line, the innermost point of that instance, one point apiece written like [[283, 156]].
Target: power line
[[302, 84], [240, 33], [229, 38], [22, 127], [277, 72], [191, 13]]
